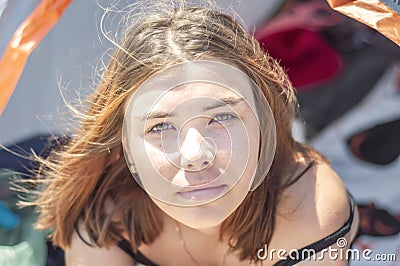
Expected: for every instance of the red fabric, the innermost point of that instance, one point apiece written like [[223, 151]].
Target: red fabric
[[293, 38], [306, 56]]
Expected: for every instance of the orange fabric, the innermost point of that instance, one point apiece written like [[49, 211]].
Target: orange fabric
[[373, 13], [24, 41]]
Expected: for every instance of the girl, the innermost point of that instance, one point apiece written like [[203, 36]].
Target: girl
[[193, 109]]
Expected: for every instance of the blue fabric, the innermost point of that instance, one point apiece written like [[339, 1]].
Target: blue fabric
[[17, 158]]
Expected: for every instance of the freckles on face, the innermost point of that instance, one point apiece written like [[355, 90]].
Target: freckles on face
[[193, 134], [200, 150], [159, 160], [195, 137]]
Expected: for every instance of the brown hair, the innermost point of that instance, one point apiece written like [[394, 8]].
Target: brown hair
[[88, 179]]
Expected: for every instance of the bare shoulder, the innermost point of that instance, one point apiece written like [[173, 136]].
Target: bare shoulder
[[314, 207], [82, 254], [327, 196]]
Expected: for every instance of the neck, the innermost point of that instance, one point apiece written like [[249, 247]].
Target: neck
[[205, 240], [211, 233]]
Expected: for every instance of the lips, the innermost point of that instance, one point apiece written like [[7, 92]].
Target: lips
[[202, 193]]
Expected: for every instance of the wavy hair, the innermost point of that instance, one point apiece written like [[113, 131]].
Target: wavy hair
[[88, 182]]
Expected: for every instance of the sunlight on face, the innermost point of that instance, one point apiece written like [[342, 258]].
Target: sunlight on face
[[194, 143]]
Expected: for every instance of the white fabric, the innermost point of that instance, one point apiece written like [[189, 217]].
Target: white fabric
[[366, 181]]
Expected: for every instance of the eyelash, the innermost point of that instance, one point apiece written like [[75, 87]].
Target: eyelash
[[224, 116], [157, 129]]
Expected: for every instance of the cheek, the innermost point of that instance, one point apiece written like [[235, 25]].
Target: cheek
[[159, 162], [224, 145], [229, 138], [245, 148]]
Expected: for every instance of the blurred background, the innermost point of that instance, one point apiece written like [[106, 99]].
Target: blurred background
[[347, 78]]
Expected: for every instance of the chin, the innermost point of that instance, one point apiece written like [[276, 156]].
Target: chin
[[198, 217], [200, 223]]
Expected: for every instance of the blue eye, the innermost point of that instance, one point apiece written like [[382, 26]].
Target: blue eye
[[222, 118], [160, 127]]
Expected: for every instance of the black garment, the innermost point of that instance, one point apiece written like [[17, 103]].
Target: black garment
[[291, 260], [138, 256], [323, 243], [378, 144]]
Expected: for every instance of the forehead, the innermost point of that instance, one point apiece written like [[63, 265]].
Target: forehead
[[187, 95], [195, 82]]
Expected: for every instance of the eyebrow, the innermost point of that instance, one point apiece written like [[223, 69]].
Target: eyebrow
[[221, 102], [157, 115]]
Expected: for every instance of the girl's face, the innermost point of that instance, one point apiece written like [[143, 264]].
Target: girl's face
[[194, 145]]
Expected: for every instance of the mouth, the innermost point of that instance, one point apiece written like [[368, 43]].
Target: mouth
[[203, 193]]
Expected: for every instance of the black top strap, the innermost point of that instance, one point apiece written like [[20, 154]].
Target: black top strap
[[301, 174], [126, 247], [299, 255], [136, 256]]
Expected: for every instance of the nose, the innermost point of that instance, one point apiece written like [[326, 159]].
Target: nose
[[196, 151]]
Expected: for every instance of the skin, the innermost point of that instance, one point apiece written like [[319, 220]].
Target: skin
[[177, 147]]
